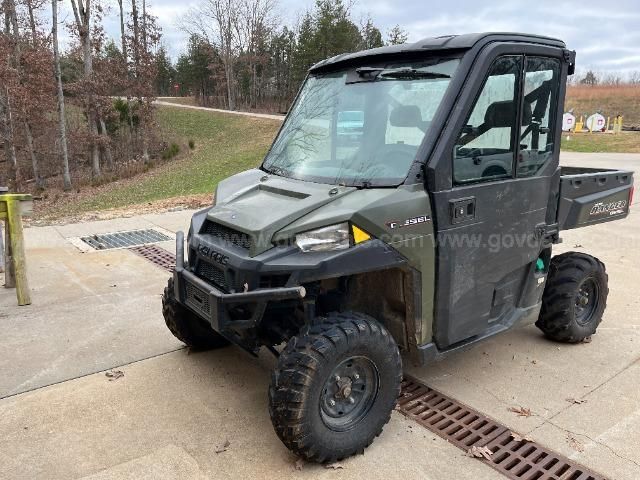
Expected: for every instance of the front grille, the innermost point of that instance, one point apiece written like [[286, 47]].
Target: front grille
[[213, 274], [197, 299], [239, 239]]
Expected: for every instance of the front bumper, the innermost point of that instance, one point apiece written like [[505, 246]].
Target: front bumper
[[213, 304]]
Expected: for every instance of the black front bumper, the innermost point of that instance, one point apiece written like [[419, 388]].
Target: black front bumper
[[213, 304]]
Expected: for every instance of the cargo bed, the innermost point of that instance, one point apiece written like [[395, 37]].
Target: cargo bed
[[591, 195]]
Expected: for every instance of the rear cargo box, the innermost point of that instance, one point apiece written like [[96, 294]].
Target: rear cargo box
[[589, 195]]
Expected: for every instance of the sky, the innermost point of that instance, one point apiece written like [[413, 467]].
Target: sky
[[605, 34]]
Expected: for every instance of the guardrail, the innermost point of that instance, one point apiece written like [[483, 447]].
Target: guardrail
[[13, 206]]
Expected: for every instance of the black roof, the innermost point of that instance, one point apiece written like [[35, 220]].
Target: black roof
[[446, 42]]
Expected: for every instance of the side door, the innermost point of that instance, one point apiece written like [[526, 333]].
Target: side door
[[501, 158]]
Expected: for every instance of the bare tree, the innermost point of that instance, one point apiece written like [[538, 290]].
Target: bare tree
[[123, 36], [6, 115], [255, 22], [82, 14], [17, 54], [60, 96], [217, 22]]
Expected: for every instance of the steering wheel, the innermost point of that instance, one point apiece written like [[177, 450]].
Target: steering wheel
[[394, 154]]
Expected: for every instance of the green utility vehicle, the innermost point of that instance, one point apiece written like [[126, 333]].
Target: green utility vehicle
[[409, 204]]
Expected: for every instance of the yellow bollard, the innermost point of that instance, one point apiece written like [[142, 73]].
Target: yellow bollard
[[608, 121], [12, 207], [579, 125]]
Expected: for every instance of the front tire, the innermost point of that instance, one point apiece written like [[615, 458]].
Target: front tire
[[334, 388], [186, 326], [575, 297]]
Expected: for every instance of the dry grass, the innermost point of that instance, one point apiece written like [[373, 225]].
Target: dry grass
[[609, 100]]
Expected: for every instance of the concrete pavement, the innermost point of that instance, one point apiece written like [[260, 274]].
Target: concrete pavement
[[166, 418]]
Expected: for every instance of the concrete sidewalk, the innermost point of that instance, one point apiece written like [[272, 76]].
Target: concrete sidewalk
[[91, 311], [61, 417]]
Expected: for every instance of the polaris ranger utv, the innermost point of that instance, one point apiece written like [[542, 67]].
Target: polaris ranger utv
[[408, 204]]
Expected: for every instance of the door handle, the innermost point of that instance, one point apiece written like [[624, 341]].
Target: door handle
[[462, 209]]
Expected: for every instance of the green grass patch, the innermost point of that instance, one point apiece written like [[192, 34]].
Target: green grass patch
[[226, 144], [171, 151], [625, 142]]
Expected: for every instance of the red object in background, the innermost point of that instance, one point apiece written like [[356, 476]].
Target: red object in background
[[176, 87]]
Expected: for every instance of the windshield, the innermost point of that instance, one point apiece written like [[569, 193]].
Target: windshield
[[360, 127]]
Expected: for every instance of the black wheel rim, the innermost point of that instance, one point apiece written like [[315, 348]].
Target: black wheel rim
[[349, 393], [586, 301]]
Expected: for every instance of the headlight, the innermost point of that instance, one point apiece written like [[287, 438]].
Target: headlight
[[334, 237]]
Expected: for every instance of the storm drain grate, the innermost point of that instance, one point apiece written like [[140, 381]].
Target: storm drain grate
[[516, 458], [156, 255], [124, 239]]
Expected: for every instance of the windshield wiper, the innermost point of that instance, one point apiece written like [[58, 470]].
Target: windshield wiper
[[278, 171], [410, 73]]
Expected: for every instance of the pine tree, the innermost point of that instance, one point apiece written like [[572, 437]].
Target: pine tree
[[397, 36], [165, 73], [371, 36]]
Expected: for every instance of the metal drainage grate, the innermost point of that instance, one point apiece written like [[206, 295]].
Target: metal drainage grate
[[517, 459], [124, 239], [156, 255]]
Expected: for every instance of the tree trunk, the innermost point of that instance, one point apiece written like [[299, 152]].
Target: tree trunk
[[40, 183], [144, 24], [9, 145], [229, 75], [60, 94], [6, 116], [107, 146], [123, 36], [82, 14], [91, 114], [32, 21]]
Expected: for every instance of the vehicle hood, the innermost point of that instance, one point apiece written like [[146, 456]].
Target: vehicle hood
[[260, 204]]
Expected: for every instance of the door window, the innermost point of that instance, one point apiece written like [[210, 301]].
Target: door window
[[485, 148], [539, 108]]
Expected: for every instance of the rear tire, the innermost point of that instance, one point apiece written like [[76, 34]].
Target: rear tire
[[186, 326], [334, 388], [575, 297]]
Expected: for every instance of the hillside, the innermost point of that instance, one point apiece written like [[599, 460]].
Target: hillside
[[224, 144], [609, 100]]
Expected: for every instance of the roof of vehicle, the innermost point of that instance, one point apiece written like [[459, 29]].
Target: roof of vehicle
[[446, 42]]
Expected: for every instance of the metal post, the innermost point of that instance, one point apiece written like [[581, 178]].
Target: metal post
[[1, 250], [14, 217], [11, 210]]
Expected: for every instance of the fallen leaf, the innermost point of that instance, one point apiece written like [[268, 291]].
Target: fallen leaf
[[577, 245], [224, 447], [535, 362], [114, 374], [519, 438], [521, 411], [480, 452], [576, 401], [335, 466], [299, 464], [574, 443]]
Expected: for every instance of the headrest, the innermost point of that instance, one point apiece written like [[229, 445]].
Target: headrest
[[406, 116], [502, 114]]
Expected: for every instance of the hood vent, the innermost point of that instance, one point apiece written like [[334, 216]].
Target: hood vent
[[226, 234]]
